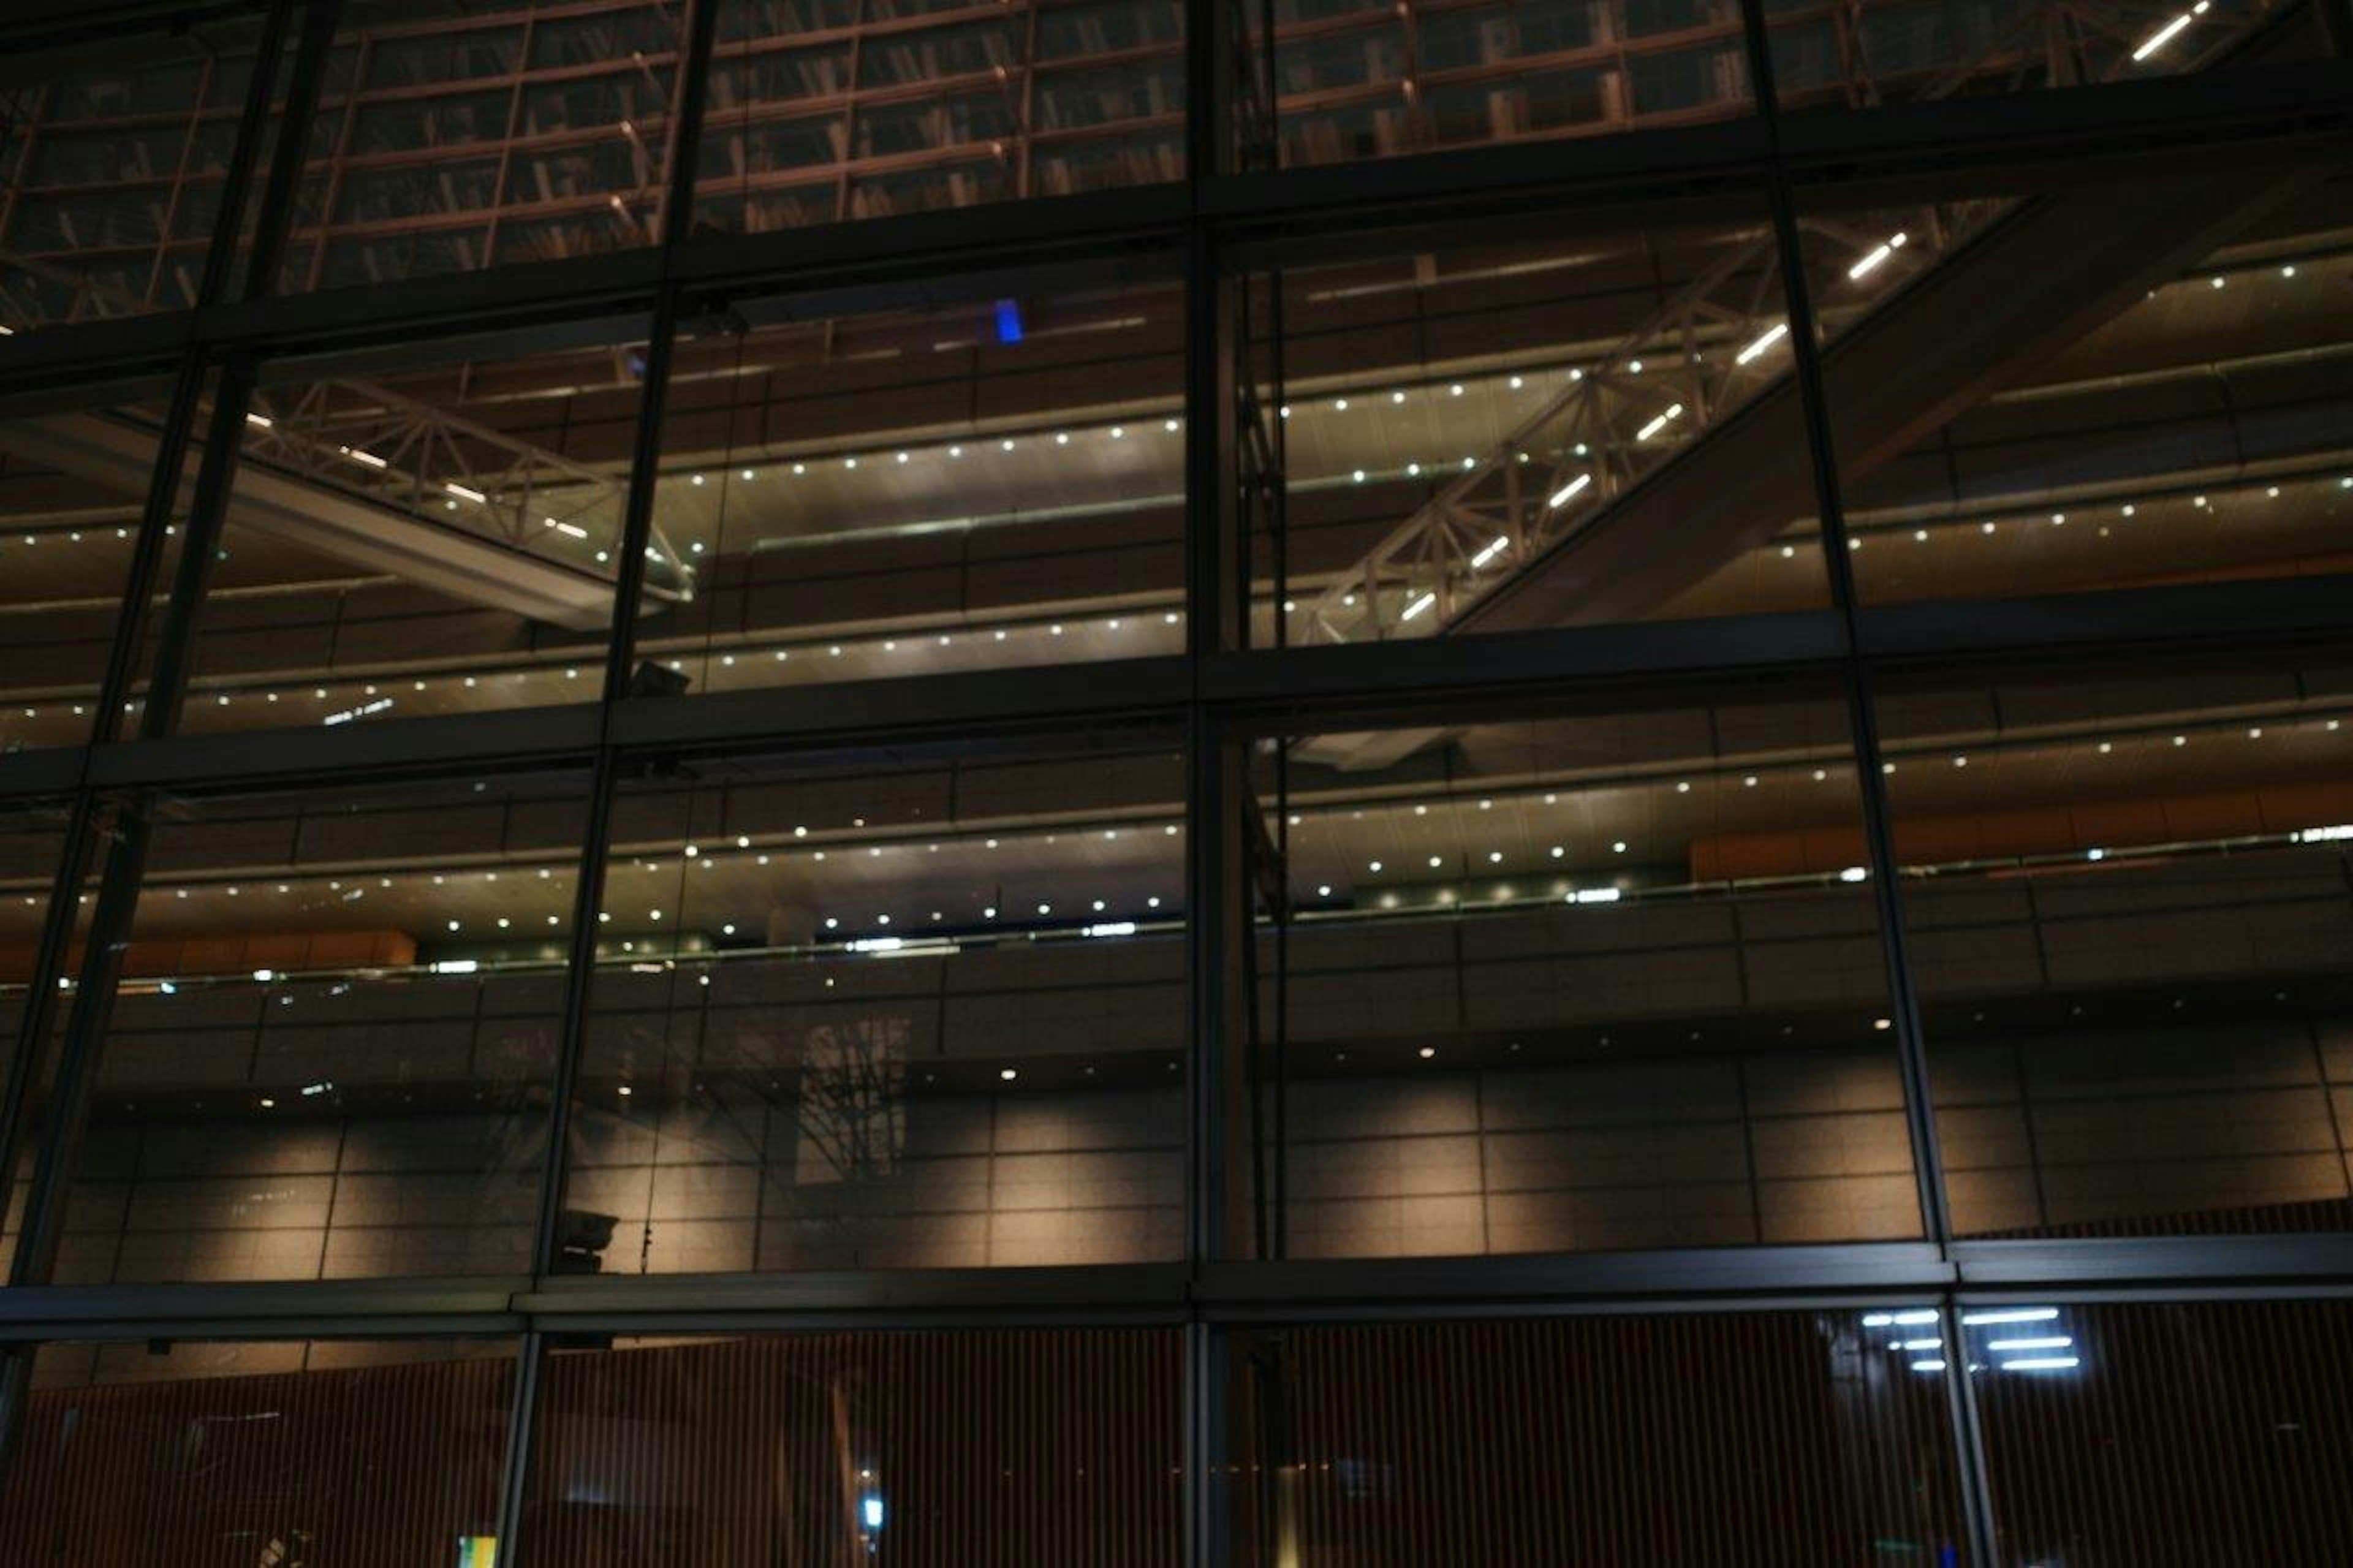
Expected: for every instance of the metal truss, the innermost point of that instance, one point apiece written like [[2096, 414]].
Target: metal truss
[[368, 441], [1704, 355]]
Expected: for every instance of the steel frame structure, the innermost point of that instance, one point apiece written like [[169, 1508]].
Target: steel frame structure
[[1228, 224]]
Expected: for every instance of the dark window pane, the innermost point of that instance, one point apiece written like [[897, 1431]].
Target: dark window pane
[[1889, 51], [328, 1053], [1772, 1436], [2125, 891], [1479, 74], [1569, 983], [1566, 420], [941, 116], [1058, 1448], [2175, 1431], [420, 529], [918, 1010], [383, 202], [74, 477], [372, 1452], [2166, 402], [105, 151], [980, 482]]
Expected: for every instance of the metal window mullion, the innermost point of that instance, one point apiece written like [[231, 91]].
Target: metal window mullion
[[1207, 83], [523, 1419], [1961, 1406], [113, 697], [274, 217], [237, 180]]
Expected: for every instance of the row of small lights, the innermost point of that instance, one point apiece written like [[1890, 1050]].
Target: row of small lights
[[694, 853], [371, 690], [373, 697], [2124, 510], [891, 945], [1495, 858]]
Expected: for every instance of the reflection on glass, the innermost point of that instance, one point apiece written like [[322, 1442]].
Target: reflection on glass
[[2166, 405], [829, 110], [2127, 899], [272, 1452], [422, 531], [1355, 79], [1693, 1438], [2088, 1442], [1559, 423], [74, 478], [1890, 51], [328, 1053], [978, 482], [1056, 1448], [113, 158], [1607, 979], [903, 1009]]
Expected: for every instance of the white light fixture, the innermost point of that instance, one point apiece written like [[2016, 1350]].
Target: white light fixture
[[2167, 32], [1877, 255], [1765, 340], [1568, 492]]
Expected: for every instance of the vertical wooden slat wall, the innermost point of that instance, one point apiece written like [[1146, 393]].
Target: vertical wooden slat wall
[[1042, 1448], [2192, 1433], [1733, 1438], [380, 1466]]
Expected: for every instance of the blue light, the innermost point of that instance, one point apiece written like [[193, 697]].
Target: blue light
[[869, 1508], [1008, 321]]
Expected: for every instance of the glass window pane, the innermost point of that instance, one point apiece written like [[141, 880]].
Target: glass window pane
[[978, 482], [2164, 404], [75, 470], [1033, 99], [2125, 891], [1890, 51], [1590, 1439], [112, 156], [1058, 1447], [330, 1051], [1606, 978], [276, 1452], [2172, 1432], [431, 100], [909, 1008], [1560, 421], [424, 530], [1360, 80]]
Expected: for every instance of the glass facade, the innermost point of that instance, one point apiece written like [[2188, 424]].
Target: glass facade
[[1071, 781]]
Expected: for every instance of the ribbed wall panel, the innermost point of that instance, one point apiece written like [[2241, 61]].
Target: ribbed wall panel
[[1038, 1448], [375, 1468], [1699, 1439], [2191, 1433]]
